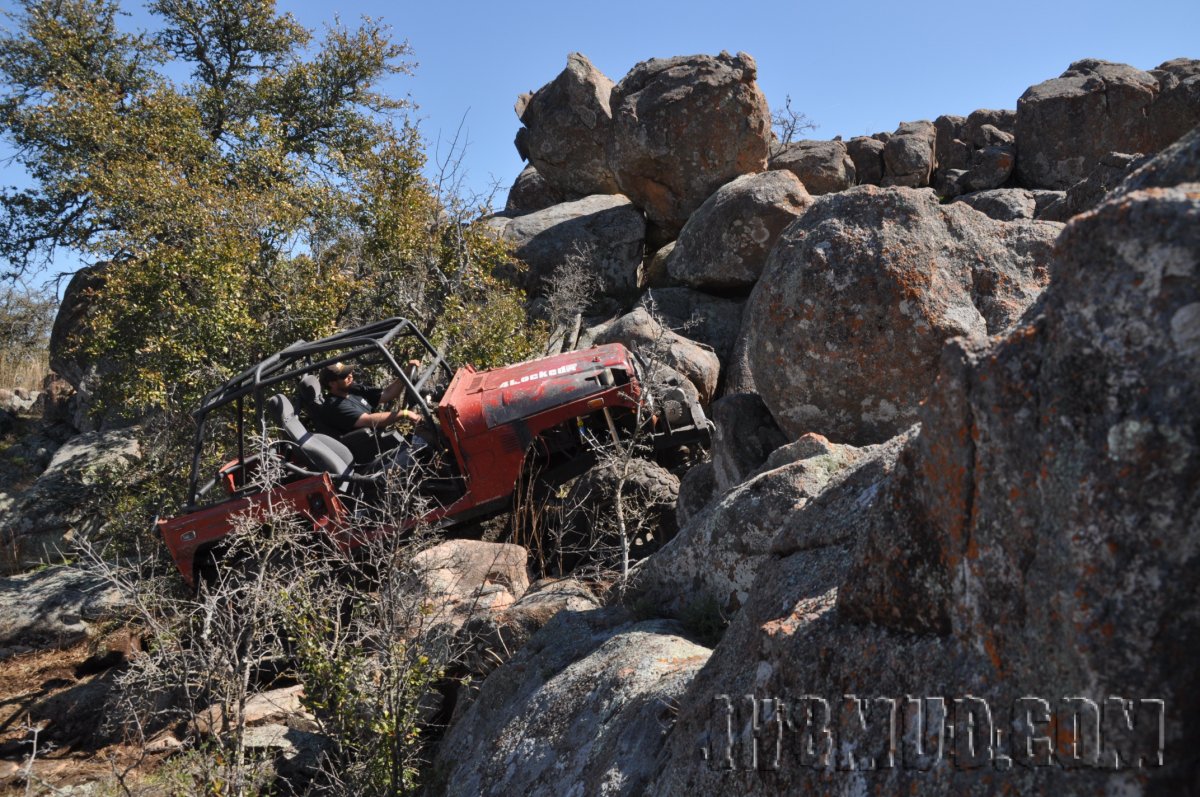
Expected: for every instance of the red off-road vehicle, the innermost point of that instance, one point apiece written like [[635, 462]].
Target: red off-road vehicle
[[485, 429]]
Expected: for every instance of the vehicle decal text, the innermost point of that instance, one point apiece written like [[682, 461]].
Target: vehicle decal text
[[532, 377]]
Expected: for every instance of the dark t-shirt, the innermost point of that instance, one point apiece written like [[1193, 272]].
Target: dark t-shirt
[[343, 413]]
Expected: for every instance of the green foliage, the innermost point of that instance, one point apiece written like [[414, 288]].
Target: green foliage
[[275, 195], [368, 701]]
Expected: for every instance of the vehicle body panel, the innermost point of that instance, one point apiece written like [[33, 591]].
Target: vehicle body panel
[[488, 426]]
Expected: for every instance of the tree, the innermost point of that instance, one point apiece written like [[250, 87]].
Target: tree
[[273, 195]]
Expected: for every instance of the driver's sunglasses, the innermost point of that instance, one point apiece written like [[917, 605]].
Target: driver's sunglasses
[[345, 376]]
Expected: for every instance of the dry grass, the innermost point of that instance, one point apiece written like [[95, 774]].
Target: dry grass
[[24, 368]]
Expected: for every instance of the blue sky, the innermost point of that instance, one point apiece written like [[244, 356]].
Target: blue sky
[[851, 68]]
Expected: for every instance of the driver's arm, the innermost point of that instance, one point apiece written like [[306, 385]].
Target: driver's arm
[[397, 386], [378, 420]]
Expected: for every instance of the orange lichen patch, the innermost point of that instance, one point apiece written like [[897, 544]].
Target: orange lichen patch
[[626, 672], [1014, 493], [679, 663], [972, 548], [1107, 630], [1112, 547], [784, 626], [993, 651]]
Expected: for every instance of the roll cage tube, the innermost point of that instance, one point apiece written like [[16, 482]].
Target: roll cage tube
[[304, 357]]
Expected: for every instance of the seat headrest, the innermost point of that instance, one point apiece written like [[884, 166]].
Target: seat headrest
[[309, 391]]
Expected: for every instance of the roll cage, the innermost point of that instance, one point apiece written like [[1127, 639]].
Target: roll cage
[[369, 345]]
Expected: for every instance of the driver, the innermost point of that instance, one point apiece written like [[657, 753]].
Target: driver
[[351, 406]]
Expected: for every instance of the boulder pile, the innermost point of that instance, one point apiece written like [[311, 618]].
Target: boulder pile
[[947, 539], [946, 542]]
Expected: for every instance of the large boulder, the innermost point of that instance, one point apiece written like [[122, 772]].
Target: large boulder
[[867, 154], [716, 557], [641, 332], [606, 231], [1179, 163], [40, 523], [67, 359], [725, 243], [1003, 204], [909, 155], [583, 708], [746, 434], [843, 331], [54, 607], [1066, 125], [1035, 542], [460, 579], [823, 166], [1177, 109], [568, 125], [684, 127], [702, 317], [530, 192]]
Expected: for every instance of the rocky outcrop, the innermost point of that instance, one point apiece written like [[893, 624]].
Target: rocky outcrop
[[843, 331], [1066, 125], [38, 524], [823, 166], [459, 579], [867, 154], [1027, 542], [639, 332], [1003, 204], [1177, 108], [683, 128], [84, 373], [704, 318], [746, 434], [53, 607], [606, 232], [725, 243], [908, 155], [715, 558], [530, 192], [568, 127], [584, 708]]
